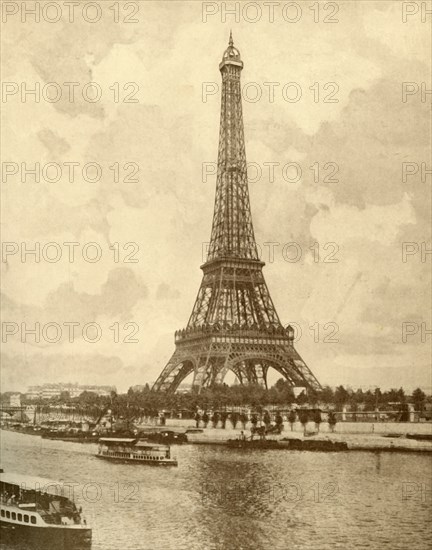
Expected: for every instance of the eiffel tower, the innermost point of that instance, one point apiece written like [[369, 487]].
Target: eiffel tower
[[234, 325]]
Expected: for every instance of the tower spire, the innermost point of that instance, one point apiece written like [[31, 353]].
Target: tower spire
[[230, 42], [232, 231]]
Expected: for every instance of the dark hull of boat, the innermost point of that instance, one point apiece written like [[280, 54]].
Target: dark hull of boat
[[290, 444], [73, 438], [257, 444], [420, 437], [44, 538], [135, 461], [164, 437]]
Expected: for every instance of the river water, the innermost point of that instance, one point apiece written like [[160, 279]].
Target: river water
[[235, 499]]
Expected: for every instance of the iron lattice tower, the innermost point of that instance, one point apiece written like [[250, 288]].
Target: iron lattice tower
[[234, 325]]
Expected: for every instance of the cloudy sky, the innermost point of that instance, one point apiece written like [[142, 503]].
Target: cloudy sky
[[354, 204]]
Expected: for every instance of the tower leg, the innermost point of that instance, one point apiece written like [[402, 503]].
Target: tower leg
[[175, 371]]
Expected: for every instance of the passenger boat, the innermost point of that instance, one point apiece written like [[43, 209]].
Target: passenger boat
[[135, 450], [34, 510]]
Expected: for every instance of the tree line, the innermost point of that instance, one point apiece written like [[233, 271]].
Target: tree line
[[222, 397]]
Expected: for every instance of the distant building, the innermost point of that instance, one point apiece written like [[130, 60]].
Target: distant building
[[15, 400], [139, 387], [184, 388], [11, 399], [47, 391], [298, 390]]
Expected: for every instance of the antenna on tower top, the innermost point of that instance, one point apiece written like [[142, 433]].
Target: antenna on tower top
[[231, 43]]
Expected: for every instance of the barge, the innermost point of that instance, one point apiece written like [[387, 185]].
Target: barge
[[322, 445]]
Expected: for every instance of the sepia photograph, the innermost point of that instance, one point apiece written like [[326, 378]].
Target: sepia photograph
[[216, 275]]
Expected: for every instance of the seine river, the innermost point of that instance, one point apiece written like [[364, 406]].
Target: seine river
[[232, 499]]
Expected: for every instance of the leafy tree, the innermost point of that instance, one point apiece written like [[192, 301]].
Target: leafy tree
[[419, 399], [369, 399], [341, 396], [394, 396], [88, 398], [378, 397], [313, 396], [326, 395], [302, 398], [145, 402], [64, 397], [281, 393]]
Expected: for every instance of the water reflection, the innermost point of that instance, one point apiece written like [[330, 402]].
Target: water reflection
[[228, 499], [378, 462], [235, 492]]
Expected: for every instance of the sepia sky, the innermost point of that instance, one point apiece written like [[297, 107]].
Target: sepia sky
[[171, 54]]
